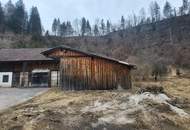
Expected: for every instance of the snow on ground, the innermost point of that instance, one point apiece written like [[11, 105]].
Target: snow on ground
[[122, 112]]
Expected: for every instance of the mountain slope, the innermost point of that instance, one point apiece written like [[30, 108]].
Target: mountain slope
[[164, 43]]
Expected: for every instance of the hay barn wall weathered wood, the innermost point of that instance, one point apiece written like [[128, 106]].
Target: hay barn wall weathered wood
[[84, 72]]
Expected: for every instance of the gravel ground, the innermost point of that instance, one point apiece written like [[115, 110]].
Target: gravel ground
[[13, 96]]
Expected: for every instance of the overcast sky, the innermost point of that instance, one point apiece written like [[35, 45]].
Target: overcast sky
[[91, 9]]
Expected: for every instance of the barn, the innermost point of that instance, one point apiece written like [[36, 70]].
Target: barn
[[81, 70], [64, 67]]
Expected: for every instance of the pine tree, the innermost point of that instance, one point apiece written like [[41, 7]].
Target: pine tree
[[58, 27], [69, 29], [142, 16], [83, 26], [108, 27], [35, 27], [174, 12], [135, 20], [19, 17], [155, 11], [88, 28], [54, 26], [122, 23], [77, 27], [167, 10], [1, 19], [102, 27], [9, 10], [96, 30], [47, 34], [185, 7], [63, 29], [26, 23]]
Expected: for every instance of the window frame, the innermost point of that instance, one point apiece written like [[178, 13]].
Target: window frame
[[5, 79]]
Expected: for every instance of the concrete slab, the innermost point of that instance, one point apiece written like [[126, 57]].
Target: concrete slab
[[13, 96]]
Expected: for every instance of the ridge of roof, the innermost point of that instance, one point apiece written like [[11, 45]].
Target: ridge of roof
[[89, 54]]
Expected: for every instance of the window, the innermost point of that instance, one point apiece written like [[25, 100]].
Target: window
[[5, 78]]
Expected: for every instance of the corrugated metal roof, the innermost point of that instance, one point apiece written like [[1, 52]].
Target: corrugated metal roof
[[90, 54], [32, 54]]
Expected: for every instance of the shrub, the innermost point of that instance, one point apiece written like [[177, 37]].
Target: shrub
[[158, 70]]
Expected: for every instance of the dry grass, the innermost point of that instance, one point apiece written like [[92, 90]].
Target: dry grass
[[179, 87], [59, 110], [174, 86]]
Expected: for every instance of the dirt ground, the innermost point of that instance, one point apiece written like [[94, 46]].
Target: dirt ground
[[104, 110]]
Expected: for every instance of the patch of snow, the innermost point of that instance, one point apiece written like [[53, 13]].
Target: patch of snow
[[121, 112], [98, 106], [160, 98], [179, 111], [106, 119], [116, 119]]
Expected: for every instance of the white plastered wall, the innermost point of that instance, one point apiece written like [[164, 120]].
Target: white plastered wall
[[6, 84]]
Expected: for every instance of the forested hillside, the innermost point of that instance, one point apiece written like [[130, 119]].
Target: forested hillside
[[155, 43], [15, 19]]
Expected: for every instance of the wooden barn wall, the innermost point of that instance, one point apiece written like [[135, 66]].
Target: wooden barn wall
[[79, 73]]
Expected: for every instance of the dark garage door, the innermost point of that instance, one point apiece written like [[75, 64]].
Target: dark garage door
[[40, 79]]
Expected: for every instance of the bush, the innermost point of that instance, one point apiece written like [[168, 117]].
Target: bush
[[159, 70]]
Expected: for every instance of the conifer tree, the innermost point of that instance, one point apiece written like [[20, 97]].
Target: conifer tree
[[185, 7], [69, 29], [9, 11], [35, 27], [102, 27], [54, 27], [108, 26], [122, 23], [88, 28], [96, 30], [142, 16], [167, 10], [83, 26], [19, 17], [155, 11], [63, 29], [58, 27], [1, 19]]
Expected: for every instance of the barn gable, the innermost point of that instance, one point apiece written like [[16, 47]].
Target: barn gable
[[63, 52]]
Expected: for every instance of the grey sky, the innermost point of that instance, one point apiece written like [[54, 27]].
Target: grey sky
[[91, 9]]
